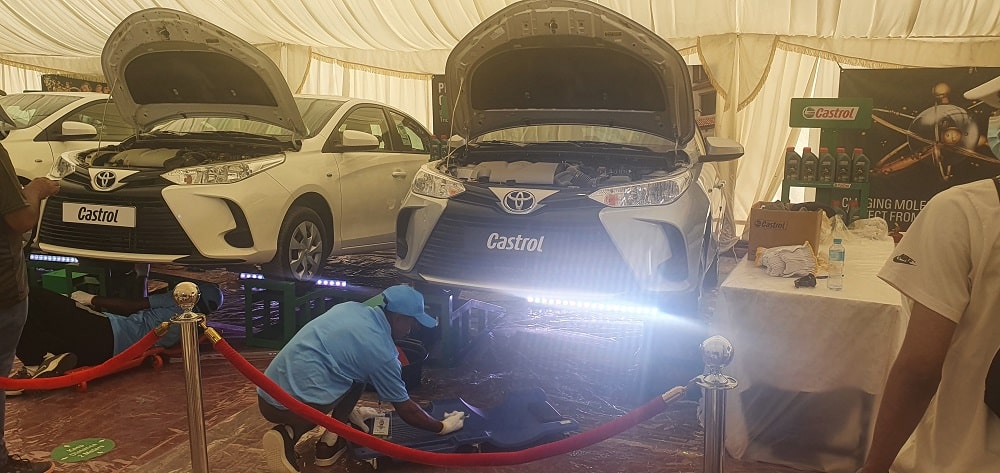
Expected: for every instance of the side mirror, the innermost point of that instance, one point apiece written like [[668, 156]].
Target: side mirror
[[78, 129], [354, 140], [721, 149]]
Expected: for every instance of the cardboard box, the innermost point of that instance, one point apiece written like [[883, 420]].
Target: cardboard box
[[771, 228]]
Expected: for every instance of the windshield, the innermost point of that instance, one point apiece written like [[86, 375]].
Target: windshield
[[579, 134], [315, 112], [29, 109]]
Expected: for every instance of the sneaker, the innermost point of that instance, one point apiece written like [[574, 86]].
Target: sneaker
[[327, 455], [56, 365], [16, 464], [279, 451], [19, 374]]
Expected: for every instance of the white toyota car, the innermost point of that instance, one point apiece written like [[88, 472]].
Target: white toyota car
[[228, 168], [583, 179]]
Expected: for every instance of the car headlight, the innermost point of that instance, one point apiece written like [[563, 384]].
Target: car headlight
[[61, 168], [222, 173], [658, 192], [432, 184]]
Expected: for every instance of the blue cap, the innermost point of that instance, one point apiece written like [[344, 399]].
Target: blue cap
[[406, 300]]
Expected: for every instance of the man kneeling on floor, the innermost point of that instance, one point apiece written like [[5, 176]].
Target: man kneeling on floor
[[62, 332], [327, 364]]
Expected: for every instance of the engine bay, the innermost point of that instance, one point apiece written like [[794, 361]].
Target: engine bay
[[161, 158], [561, 169]]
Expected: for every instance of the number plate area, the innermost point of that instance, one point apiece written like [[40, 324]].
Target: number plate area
[[94, 214]]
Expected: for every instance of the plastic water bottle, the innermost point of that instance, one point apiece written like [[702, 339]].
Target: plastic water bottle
[[836, 279]]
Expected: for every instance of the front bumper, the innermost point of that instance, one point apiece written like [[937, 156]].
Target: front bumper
[[585, 251]]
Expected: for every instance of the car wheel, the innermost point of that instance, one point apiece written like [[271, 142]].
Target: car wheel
[[301, 246]]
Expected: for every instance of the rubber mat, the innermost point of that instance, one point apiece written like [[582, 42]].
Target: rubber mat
[[524, 419]]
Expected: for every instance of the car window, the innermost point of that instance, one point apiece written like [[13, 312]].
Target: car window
[[316, 112], [104, 116], [412, 136], [29, 109], [369, 120]]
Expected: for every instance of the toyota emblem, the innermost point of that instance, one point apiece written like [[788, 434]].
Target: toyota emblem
[[104, 179], [518, 202]]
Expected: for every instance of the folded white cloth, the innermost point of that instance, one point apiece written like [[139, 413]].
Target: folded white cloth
[[788, 261]]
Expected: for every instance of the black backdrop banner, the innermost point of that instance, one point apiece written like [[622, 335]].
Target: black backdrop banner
[[57, 83], [925, 136], [440, 107]]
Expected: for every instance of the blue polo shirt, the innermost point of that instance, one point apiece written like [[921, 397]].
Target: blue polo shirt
[[131, 328], [350, 342]]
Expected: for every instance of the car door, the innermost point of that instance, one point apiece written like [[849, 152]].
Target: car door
[[410, 142], [369, 182]]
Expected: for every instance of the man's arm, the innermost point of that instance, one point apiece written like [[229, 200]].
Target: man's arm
[[25, 218], [912, 382], [412, 414]]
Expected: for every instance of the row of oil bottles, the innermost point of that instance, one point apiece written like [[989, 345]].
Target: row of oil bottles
[[808, 167]]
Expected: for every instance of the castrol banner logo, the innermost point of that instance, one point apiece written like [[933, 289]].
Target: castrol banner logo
[[829, 113]]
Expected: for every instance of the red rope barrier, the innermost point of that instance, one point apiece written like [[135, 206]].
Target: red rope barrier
[[569, 444], [113, 365]]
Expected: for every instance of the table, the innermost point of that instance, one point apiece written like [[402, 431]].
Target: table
[[810, 362]]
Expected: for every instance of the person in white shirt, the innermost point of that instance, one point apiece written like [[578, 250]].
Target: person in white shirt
[[933, 418]]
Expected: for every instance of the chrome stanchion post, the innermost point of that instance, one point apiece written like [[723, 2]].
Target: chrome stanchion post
[[716, 352], [186, 295]]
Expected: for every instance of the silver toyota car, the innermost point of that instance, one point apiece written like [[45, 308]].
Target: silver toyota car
[[580, 174]]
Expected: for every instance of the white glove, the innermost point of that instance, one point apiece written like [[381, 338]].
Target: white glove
[[82, 297], [360, 414], [452, 421]]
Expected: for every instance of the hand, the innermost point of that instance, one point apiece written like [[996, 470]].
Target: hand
[[82, 297], [43, 187], [452, 421], [360, 414]]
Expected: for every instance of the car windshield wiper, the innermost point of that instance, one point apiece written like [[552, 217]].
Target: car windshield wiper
[[602, 144], [488, 143]]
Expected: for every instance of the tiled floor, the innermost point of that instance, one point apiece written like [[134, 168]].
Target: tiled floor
[[586, 366]]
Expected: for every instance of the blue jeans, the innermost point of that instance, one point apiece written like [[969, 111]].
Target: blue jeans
[[11, 322]]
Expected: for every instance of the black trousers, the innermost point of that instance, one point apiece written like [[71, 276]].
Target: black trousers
[[57, 325], [339, 409]]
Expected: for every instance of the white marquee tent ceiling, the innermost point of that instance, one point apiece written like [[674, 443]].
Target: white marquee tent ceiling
[[771, 50]]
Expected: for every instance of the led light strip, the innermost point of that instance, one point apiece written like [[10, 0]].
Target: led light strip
[[587, 305], [53, 258], [318, 282]]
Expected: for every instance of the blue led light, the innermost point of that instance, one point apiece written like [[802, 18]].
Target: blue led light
[[251, 276]]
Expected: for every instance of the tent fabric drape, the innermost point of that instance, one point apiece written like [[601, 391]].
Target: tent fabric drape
[[388, 50]]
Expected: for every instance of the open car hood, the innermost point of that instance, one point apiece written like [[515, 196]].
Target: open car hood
[[567, 62], [165, 64]]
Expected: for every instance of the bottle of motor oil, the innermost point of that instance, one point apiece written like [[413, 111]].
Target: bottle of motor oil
[[810, 163], [826, 165], [843, 166], [860, 166], [792, 163]]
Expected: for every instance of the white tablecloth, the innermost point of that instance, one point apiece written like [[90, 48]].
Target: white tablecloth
[[810, 362]]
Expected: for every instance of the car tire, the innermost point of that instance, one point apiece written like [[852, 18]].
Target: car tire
[[302, 246]]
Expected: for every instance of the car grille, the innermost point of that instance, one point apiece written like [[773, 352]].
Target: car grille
[[577, 254], [156, 230]]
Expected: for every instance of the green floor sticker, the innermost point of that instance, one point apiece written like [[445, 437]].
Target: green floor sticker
[[82, 450]]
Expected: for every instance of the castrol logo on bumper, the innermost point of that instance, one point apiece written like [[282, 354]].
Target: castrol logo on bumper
[[497, 241], [829, 113]]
